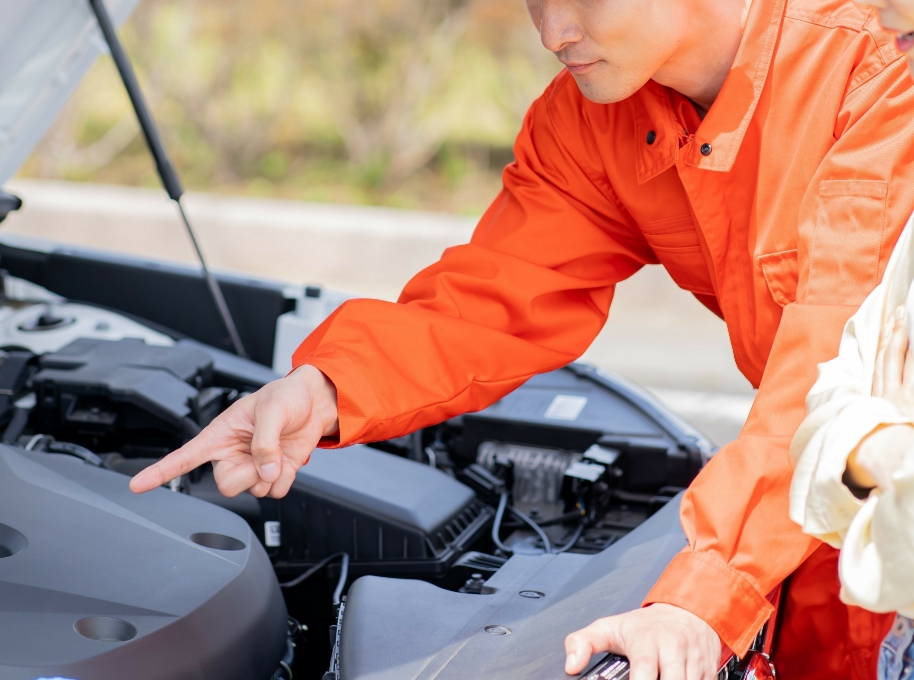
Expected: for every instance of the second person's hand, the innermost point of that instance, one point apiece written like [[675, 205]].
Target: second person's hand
[[893, 378], [883, 452], [260, 442]]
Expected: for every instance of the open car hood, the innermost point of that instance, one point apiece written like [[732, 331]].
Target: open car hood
[[46, 48]]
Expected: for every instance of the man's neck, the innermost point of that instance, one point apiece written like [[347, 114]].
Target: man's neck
[[700, 66]]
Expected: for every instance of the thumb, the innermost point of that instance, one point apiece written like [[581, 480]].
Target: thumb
[[578, 648]]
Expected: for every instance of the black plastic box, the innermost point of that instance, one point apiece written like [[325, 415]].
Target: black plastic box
[[390, 514], [577, 406]]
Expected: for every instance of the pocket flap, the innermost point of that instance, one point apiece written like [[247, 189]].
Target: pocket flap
[[781, 275]]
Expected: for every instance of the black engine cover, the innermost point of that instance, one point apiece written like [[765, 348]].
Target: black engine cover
[[395, 629], [96, 582], [125, 394]]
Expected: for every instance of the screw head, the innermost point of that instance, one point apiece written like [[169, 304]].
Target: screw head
[[532, 594], [497, 630]]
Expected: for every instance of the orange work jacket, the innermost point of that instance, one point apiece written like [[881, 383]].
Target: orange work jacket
[[778, 210]]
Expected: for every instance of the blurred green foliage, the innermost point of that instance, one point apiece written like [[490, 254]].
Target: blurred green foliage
[[411, 103]]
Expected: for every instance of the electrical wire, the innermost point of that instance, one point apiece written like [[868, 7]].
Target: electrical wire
[[341, 582], [77, 451], [570, 543], [499, 518], [496, 524], [295, 628], [547, 544], [34, 441]]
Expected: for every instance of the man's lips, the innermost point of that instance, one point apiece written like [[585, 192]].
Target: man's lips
[[580, 68], [905, 41]]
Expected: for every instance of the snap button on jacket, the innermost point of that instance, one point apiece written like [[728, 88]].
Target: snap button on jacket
[[782, 229]]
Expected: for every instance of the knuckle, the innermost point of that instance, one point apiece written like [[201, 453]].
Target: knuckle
[[261, 449], [573, 639], [229, 491], [641, 658]]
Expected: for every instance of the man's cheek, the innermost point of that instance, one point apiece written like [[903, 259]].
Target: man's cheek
[[535, 9]]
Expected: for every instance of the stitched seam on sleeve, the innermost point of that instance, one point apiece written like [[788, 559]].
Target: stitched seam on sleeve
[[868, 75]]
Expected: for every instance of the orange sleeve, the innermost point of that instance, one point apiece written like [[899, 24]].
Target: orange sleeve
[[741, 540], [528, 294]]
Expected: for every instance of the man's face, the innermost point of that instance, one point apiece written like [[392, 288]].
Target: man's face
[[611, 47]]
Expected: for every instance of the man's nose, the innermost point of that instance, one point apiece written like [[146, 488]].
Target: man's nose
[[559, 25]]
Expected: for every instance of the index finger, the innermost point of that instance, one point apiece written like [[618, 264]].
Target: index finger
[[907, 380], [896, 348], [189, 457], [879, 375], [645, 665]]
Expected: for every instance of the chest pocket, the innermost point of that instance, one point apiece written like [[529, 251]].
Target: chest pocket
[[846, 245], [675, 243]]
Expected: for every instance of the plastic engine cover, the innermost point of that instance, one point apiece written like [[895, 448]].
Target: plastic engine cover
[[96, 582], [394, 629], [157, 379]]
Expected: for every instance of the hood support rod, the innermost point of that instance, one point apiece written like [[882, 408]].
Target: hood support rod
[[164, 167]]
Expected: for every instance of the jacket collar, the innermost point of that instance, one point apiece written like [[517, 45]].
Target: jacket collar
[[728, 119]]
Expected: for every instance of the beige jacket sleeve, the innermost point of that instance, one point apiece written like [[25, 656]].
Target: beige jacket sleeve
[[876, 536]]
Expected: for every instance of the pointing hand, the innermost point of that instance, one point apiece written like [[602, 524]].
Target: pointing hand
[[261, 441]]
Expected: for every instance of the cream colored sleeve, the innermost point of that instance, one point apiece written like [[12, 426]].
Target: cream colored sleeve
[[840, 415], [877, 559]]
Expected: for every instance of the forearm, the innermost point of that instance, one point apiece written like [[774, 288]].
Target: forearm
[[742, 542], [399, 367]]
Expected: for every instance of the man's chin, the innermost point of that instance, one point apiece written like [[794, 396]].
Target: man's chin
[[603, 90]]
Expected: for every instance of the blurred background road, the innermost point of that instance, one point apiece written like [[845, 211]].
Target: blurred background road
[[343, 143], [658, 335]]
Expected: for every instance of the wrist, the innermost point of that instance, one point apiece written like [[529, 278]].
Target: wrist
[[324, 403], [856, 478], [877, 458]]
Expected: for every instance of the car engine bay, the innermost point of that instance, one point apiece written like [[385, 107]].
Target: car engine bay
[[464, 550], [563, 468]]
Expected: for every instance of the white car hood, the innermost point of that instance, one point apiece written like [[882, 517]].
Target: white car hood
[[46, 48]]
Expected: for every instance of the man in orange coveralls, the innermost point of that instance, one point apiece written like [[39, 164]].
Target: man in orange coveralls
[[765, 156]]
